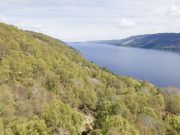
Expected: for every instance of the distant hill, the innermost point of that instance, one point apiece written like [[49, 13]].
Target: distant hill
[[161, 41]]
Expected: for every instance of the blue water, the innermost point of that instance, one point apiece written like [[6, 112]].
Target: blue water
[[161, 68]]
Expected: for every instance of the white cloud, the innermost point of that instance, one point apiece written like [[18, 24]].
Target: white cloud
[[3, 18], [6, 4], [173, 11], [33, 27], [126, 23], [14, 1], [76, 20]]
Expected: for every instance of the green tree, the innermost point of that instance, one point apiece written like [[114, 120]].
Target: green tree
[[35, 126], [96, 132], [4, 49], [174, 104], [176, 123], [1, 127], [60, 117], [119, 124], [108, 109]]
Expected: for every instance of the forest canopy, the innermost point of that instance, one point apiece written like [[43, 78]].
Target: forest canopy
[[47, 88]]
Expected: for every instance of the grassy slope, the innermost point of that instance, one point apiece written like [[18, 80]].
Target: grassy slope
[[47, 88]]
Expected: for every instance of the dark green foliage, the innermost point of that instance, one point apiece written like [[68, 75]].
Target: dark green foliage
[[105, 69]]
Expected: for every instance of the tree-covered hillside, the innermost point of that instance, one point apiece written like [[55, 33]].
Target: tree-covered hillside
[[161, 41], [47, 89]]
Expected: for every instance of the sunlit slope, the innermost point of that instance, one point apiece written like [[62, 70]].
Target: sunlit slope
[[46, 88]]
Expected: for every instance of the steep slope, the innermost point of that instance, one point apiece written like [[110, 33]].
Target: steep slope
[[162, 41], [46, 88]]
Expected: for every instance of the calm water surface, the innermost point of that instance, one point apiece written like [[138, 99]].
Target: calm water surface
[[161, 68]]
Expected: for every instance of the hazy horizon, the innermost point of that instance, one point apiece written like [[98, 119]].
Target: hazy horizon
[[87, 20]]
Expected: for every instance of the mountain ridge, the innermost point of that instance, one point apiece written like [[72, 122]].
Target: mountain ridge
[[159, 41]]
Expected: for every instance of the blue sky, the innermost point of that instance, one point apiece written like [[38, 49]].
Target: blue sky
[[83, 20]]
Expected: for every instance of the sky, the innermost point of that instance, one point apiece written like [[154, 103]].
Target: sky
[[85, 20]]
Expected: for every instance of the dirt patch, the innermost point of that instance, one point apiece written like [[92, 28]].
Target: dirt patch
[[88, 123], [94, 80]]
